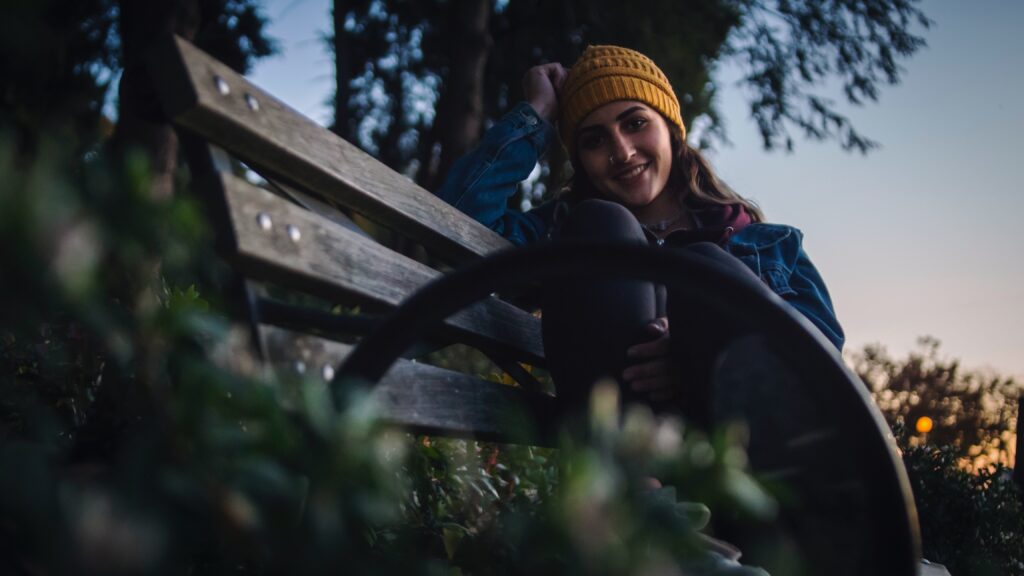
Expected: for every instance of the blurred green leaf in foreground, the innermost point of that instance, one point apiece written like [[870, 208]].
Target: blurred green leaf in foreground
[[137, 437]]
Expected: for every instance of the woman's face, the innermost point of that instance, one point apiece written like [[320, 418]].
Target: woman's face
[[625, 149]]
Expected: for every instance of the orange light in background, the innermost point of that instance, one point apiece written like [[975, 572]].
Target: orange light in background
[[924, 425]]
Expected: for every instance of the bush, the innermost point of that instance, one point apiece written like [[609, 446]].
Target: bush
[[136, 438], [971, 522], [973, 412]]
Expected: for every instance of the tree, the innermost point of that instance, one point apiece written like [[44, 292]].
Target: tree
[[140, 122], [413, 68], [973, 413], [387, 77], [57, 59], [460, 109], [231, 30], [452, 75], [790, 45], [61, 57]]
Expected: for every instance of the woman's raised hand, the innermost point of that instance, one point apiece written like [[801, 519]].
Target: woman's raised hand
[[652, 374], [541, 85]]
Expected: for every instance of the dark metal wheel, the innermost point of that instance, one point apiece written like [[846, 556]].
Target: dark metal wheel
[[812, 423]]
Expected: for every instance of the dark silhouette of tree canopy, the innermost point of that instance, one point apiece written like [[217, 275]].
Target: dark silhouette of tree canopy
[[410, 74], [789, 45], [61, 57], [57, 57]]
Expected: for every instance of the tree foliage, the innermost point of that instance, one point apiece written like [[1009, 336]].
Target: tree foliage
[[138, 437], [234, 31], [406, 70], [61, 57], [58, 60], [425, 42], [789, 46], [974, 413]]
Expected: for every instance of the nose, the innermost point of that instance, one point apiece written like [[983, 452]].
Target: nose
[[621, 149]]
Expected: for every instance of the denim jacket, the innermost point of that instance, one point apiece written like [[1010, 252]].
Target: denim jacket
[[481, 183]]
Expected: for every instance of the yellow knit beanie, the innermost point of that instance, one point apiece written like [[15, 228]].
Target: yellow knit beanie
[[604, 74]]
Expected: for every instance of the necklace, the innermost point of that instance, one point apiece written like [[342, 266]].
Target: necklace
[[663, 225]]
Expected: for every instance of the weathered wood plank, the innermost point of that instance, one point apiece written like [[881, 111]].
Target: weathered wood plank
[[421, 397], [317, 205], [208, 98], [279, 241]]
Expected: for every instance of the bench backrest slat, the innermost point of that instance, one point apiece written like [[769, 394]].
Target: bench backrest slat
[[279, 241], [418, 396], [295, 236], [211, 100], [318, 206]]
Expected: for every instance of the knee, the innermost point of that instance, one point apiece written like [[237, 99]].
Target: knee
[[716, 253], [708, 250], [595, 218]]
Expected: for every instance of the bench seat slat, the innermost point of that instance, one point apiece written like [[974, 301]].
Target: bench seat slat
[[421, 397], [332, 261], [268, 135]]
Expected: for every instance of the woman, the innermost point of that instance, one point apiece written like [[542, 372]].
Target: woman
[[635, 180]]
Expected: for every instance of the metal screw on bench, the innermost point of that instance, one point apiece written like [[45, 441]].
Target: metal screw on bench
[[328, 372], [300, 366], [264, 221], [252, 102], [293, 232], [222, 86]]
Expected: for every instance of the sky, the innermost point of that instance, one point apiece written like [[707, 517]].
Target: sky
[[916, 238]]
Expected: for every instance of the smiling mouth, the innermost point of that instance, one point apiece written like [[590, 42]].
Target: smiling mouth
[[630, 173]]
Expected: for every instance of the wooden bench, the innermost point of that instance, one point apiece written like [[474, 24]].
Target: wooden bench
[[289, 233]]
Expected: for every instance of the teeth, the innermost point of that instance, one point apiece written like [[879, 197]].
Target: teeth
[[634, 172]]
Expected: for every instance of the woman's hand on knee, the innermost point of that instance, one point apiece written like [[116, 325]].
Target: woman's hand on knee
[[541, 85], [652, 373]]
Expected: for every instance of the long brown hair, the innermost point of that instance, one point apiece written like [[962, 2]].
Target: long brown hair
[[691, 176]]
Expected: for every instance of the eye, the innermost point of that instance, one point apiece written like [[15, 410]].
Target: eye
[[591, 140], [636, 122]]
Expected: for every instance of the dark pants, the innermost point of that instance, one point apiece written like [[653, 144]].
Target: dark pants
[[589, 323]]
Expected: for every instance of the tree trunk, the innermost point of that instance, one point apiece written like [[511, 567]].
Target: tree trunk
[[140, 122], [342, 70], [460, 108]]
